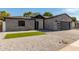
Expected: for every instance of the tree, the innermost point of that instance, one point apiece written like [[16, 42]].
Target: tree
[[47, 14], [28, 14], [31, 14], [3, 14], [74, 19], [36, 13]]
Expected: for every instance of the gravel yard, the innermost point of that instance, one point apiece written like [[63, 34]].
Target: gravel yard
[[51, 41]]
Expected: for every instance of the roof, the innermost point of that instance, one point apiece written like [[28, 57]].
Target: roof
[[16, 17], [22, 17], [38, 16], [59, 15]]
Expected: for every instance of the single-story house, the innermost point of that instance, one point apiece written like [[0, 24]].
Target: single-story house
[[77, 25], [39, 22]]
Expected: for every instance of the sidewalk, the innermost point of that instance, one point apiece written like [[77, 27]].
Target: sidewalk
[[2, 35], [72, 47]]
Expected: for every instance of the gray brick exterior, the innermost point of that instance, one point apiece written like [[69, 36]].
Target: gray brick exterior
[[54, 23], [60, 22], [12, 25], [50, 24], [40, 23]]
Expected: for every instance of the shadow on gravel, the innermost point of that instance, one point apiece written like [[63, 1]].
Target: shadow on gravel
[[51, 30]]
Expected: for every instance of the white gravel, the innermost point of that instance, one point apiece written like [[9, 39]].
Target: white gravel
[[49, 42]]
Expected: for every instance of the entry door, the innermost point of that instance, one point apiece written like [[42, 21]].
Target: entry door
[[36, 25]]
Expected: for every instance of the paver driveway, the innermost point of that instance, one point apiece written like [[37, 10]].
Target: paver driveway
[[49, 42]]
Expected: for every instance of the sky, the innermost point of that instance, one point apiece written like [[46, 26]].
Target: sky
[[74, 12]]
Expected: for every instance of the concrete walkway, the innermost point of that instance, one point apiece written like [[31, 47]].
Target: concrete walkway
[[2, 35], [71, 47]]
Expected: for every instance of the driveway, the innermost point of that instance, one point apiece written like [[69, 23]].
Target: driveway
[[51, 41]]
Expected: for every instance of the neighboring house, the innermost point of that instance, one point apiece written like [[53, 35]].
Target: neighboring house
[[77, 25], [39, 22]]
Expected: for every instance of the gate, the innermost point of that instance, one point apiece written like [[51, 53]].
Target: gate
[[0, 26]]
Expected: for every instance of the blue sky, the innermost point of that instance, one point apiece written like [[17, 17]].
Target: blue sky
[[55, 11]]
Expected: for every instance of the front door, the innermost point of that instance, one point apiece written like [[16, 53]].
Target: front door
[[36, 25]]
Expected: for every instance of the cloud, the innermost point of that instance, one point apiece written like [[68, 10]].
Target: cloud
[[74, 12], [71, 10]]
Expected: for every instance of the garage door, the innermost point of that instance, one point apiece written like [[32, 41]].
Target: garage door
[[65, 25]]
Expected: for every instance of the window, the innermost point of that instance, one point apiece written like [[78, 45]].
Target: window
[[21, 23]]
